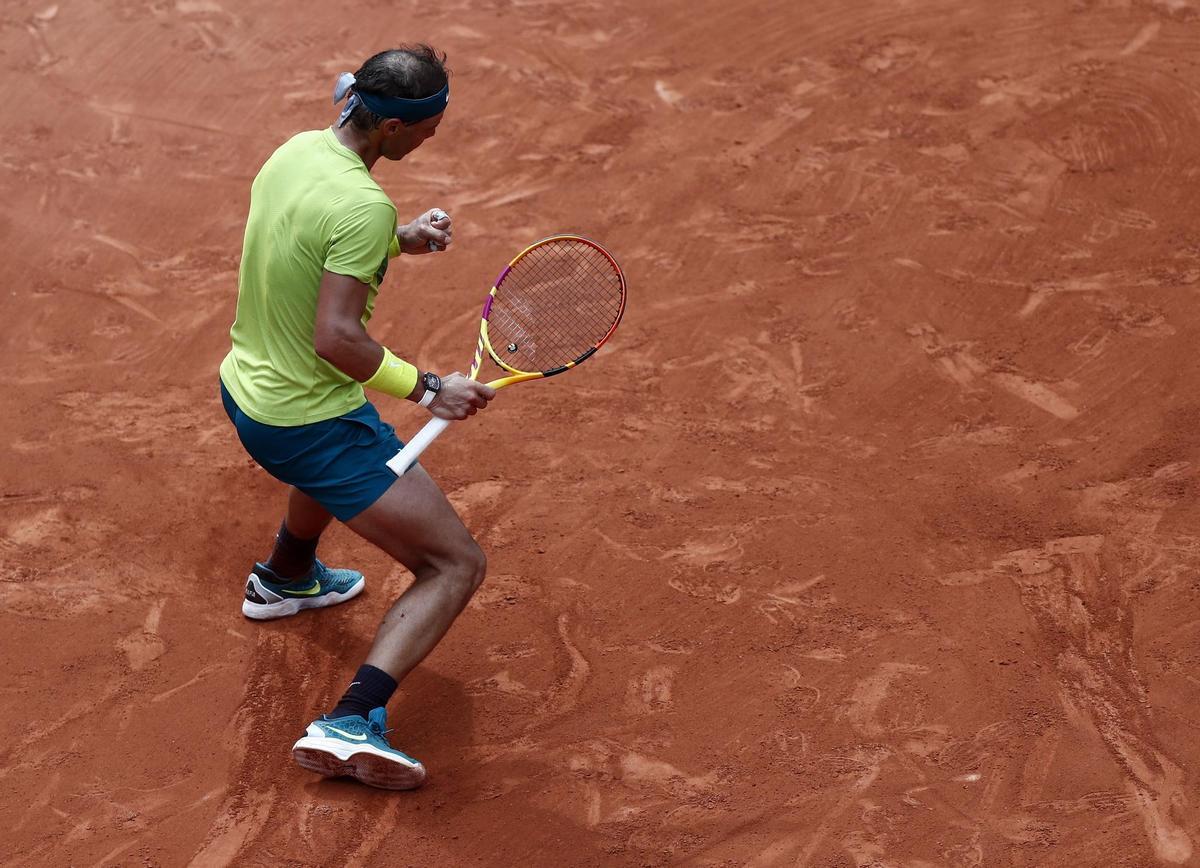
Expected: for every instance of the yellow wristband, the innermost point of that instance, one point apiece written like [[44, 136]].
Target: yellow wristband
[[394, 377]]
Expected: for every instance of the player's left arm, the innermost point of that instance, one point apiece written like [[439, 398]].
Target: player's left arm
[[359, 242], [434, 225], [339, 336]]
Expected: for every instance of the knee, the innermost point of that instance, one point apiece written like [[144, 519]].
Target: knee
[[470, 567], [477, 565]]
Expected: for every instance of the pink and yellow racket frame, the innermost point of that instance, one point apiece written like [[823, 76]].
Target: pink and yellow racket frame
[[407, 456]]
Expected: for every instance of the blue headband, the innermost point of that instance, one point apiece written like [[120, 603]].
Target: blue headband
[[410, 111]]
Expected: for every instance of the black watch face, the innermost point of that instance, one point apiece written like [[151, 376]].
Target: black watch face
[[432, 382]]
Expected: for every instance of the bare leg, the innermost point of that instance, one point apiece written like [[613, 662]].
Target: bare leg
[[415, 524], [306, 518], [296, 542]]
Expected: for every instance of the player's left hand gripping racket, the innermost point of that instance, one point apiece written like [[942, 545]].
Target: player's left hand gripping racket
[[554, 305]]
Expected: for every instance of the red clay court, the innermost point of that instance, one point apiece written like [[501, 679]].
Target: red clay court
[[871, 539]]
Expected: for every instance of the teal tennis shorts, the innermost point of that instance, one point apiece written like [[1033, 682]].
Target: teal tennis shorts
[[340, 463]]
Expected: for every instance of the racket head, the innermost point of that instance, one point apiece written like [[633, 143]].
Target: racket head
[[556, 303]]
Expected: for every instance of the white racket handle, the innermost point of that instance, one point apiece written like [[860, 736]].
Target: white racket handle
[[412, 450]]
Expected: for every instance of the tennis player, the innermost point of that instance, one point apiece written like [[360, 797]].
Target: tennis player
[[319, 237]]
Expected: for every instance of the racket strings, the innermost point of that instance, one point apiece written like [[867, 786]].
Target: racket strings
[[558, 311], [557, 302]]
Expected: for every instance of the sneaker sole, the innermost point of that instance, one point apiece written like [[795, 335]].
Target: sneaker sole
[[338, 759], [292, 605]]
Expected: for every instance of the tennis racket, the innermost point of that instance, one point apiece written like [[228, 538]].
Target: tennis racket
[[551, 308]]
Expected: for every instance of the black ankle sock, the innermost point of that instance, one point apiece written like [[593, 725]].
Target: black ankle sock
[[371, 688], [292, 557]]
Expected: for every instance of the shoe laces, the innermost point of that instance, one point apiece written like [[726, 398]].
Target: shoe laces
[[377, 720]]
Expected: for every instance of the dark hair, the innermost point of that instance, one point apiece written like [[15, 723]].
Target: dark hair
[[408, 72]]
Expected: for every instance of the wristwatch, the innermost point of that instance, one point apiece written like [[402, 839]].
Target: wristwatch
[[432, 383]]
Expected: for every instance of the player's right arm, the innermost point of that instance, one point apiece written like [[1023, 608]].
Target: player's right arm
[[340, 338]]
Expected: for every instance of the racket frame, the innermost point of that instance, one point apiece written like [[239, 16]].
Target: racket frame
[[407, 456], [519, 376]]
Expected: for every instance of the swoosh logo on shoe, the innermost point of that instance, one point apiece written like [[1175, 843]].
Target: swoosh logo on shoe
[[360, 737], [313, 591]]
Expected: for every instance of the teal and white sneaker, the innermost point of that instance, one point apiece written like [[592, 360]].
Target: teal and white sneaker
[[272, 596], [351, 746]]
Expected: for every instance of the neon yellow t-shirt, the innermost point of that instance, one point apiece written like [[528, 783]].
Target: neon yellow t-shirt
[[314, 207]]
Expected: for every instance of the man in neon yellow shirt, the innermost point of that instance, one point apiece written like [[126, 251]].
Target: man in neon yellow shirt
[[319, 237]]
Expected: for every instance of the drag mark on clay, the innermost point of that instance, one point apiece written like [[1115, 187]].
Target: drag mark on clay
[[702, 552], [870, 762], [564, 696], [621, 548], [958, 364], [1142, 39], [636, 768], [639, 786], [869, 694], [952, 359], [1040, 293], [501, 682], [1157, 785], [1037, 394], [38, 26], [130, 111], [205, 672], [1071, 594], [1038, 763], [233, 830], [668, 94], [701, 589], [782, 601], [145, 645]]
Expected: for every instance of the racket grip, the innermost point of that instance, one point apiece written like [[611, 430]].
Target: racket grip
[[412, 450]]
